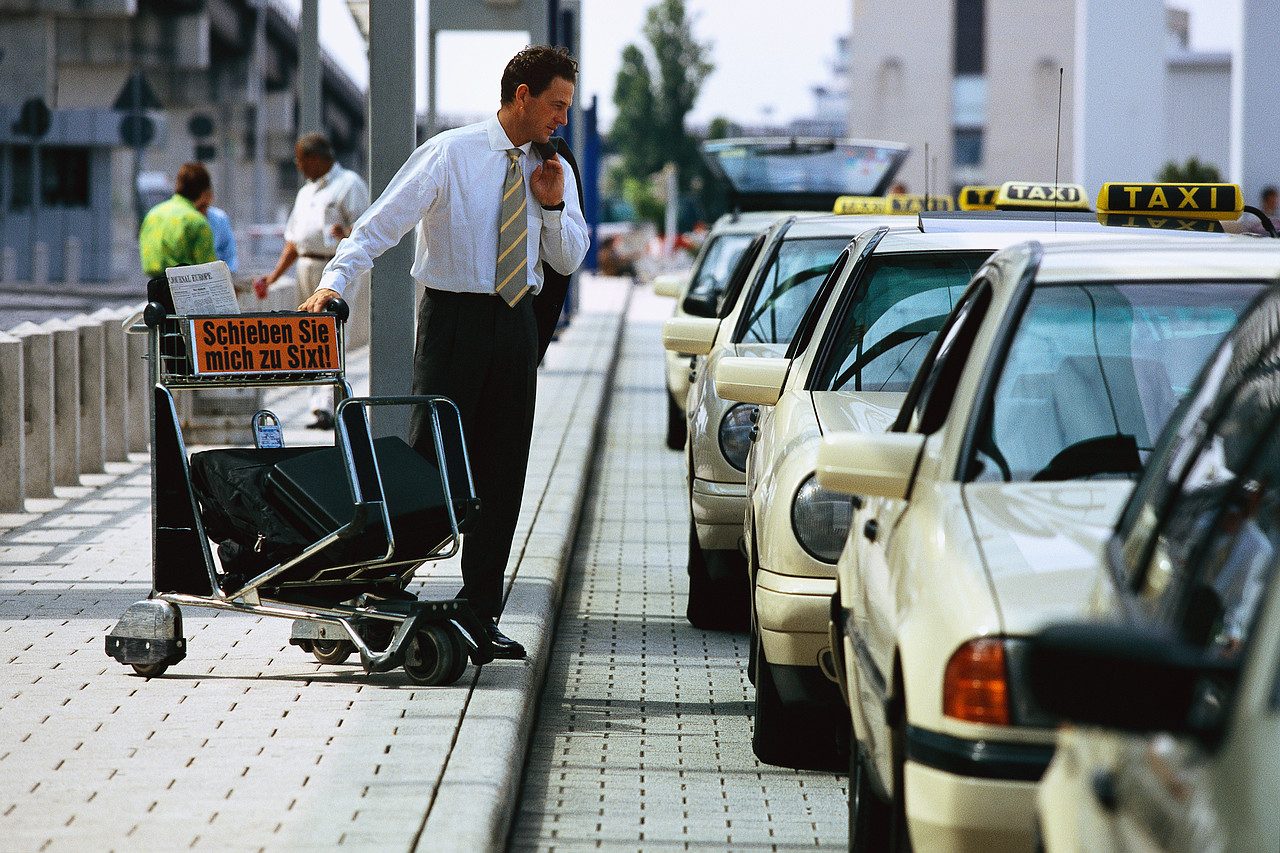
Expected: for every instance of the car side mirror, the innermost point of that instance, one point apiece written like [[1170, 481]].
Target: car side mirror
[[751, 380], [1125, 677], [702, 303], [690, 335], [669, 284], [869, 464]]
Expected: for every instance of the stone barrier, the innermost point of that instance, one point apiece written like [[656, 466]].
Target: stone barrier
[[93, 403], [115, 391], [37, 408], [66, 402], [12, 425]]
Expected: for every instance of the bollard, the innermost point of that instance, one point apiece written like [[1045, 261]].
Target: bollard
[[71, 261], [115, 389], [12, 425], [93, 421], [9, 264], [139, 381], [37, 368], [40, 263], [66, 402]]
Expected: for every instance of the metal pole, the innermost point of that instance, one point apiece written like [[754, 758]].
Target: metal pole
[[309, 69], [256, 93], [392, 138]]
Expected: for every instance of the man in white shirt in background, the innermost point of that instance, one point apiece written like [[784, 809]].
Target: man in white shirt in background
[[327, 207], [491, 203]]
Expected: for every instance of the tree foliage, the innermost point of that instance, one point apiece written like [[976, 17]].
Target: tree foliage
[[656, 87], [1192, 172]]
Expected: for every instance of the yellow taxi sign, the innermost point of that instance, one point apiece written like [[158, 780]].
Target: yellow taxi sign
[[1026, 195], [898, 203], [975, 197], [1166, 223], [1187, 201]]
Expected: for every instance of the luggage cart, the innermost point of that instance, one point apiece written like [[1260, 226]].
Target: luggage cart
[[372, 510]]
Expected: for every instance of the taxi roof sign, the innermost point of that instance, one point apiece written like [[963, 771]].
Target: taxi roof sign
[[1165, 223], [1187, 201], [1027, 195], [976, 197], [898, 203]]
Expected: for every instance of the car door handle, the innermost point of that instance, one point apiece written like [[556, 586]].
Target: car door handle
[[871, 529]]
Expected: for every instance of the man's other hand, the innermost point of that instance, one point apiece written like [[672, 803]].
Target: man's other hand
[[547, 182], [316, 302], [261, 286]]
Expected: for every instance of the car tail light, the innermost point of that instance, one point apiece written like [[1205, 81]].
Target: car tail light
[[975, 687]]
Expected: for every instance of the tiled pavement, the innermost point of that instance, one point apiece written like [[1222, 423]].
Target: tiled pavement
[[643, 739], [248, 743]]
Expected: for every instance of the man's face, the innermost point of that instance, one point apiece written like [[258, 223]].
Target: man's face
[[310, 165], [544, 114]]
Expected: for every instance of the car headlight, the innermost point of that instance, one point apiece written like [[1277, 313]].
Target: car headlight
[[821, 520], [735, 435]]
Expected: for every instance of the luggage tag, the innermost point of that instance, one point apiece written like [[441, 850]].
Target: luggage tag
[[266, 430]]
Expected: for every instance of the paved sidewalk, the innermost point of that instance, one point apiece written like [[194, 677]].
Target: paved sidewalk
[[249, 743], [644, 728]]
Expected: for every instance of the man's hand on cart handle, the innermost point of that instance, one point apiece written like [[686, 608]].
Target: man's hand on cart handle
[[318, 300]]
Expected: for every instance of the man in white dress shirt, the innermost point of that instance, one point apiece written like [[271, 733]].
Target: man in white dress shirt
[[326, 208], [491, 203]]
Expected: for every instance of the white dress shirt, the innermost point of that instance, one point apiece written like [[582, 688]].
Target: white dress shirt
[[451, 188], [338, 196]]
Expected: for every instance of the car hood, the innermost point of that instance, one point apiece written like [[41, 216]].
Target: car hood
[[856, 411], [1042, 544]]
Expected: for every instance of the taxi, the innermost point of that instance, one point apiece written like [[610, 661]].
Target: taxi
[[1174, 740], [982, 513], [697, 293], [760, 313], [847, 370]]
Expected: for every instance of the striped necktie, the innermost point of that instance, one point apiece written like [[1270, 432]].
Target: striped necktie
[[511, 282]]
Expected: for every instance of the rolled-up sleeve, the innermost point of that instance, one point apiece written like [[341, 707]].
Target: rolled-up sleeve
[[564, 232], [402, 204]]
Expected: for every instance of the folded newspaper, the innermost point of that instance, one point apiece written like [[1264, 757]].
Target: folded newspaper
[[202, 289]]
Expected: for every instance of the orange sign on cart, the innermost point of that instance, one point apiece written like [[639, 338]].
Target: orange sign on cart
[[265, 344]]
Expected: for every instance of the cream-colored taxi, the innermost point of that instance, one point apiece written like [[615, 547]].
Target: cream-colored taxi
[[697, 293], [1174, 741], [759, 314], [847, 369], [982, 514]]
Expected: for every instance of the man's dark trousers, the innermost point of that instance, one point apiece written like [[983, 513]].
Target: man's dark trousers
[[483, 354]]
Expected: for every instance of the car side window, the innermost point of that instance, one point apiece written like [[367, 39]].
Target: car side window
[[739, 277], [931, 394], [810, 320]]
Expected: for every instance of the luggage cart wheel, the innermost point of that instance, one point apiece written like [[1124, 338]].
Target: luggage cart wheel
[[332, 651], [150, 670], [435, 656]]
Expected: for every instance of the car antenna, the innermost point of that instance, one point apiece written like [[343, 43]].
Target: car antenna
[[1057, 151], [926, 176]]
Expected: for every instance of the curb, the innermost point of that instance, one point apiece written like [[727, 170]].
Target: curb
[[478, 791]]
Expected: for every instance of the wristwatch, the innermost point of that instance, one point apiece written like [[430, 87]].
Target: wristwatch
[[559, 206]]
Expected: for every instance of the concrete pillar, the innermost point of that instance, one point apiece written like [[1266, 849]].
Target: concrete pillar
[[139, 381], [71, 261], [66, 402], [12, 425], [93, 423], [310, 116], [40, 263], [1255, 121], [9, 264], [115, 390], [392, 138], [37, 369], [1119, 91]]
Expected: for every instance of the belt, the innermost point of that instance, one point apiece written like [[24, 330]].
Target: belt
[[311, 257]]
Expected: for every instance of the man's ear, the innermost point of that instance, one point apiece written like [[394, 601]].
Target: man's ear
[[522, 94]]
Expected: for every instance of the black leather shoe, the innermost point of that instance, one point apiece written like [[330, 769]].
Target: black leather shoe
[[503, 646], [323, 420]]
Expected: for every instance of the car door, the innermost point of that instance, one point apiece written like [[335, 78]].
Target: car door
[[878, 528]]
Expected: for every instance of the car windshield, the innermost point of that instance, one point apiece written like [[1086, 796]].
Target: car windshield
[[903, 301], [717, 263], [817, 167], [1093, 373], [787, 286]]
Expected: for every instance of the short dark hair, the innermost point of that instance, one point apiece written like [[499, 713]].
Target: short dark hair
[[536, 66], [316, 144], [192, 181]]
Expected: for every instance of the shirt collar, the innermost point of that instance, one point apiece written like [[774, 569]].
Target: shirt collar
[[184, 201], [328, 176], [498, 139]]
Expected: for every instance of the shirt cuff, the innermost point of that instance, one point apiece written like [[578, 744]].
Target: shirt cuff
[[332, 281], [551, 216]]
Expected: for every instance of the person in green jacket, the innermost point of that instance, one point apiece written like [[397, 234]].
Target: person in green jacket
[[176, 233]]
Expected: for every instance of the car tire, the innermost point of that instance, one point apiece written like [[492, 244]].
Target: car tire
[[677, 428], [719, 599], [869, 816], [785, 736]]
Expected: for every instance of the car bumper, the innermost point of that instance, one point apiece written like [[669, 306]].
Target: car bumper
[[972, 795], [792, 615], [718, 511]]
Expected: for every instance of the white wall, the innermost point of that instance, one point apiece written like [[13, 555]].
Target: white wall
[[1197, 110]]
